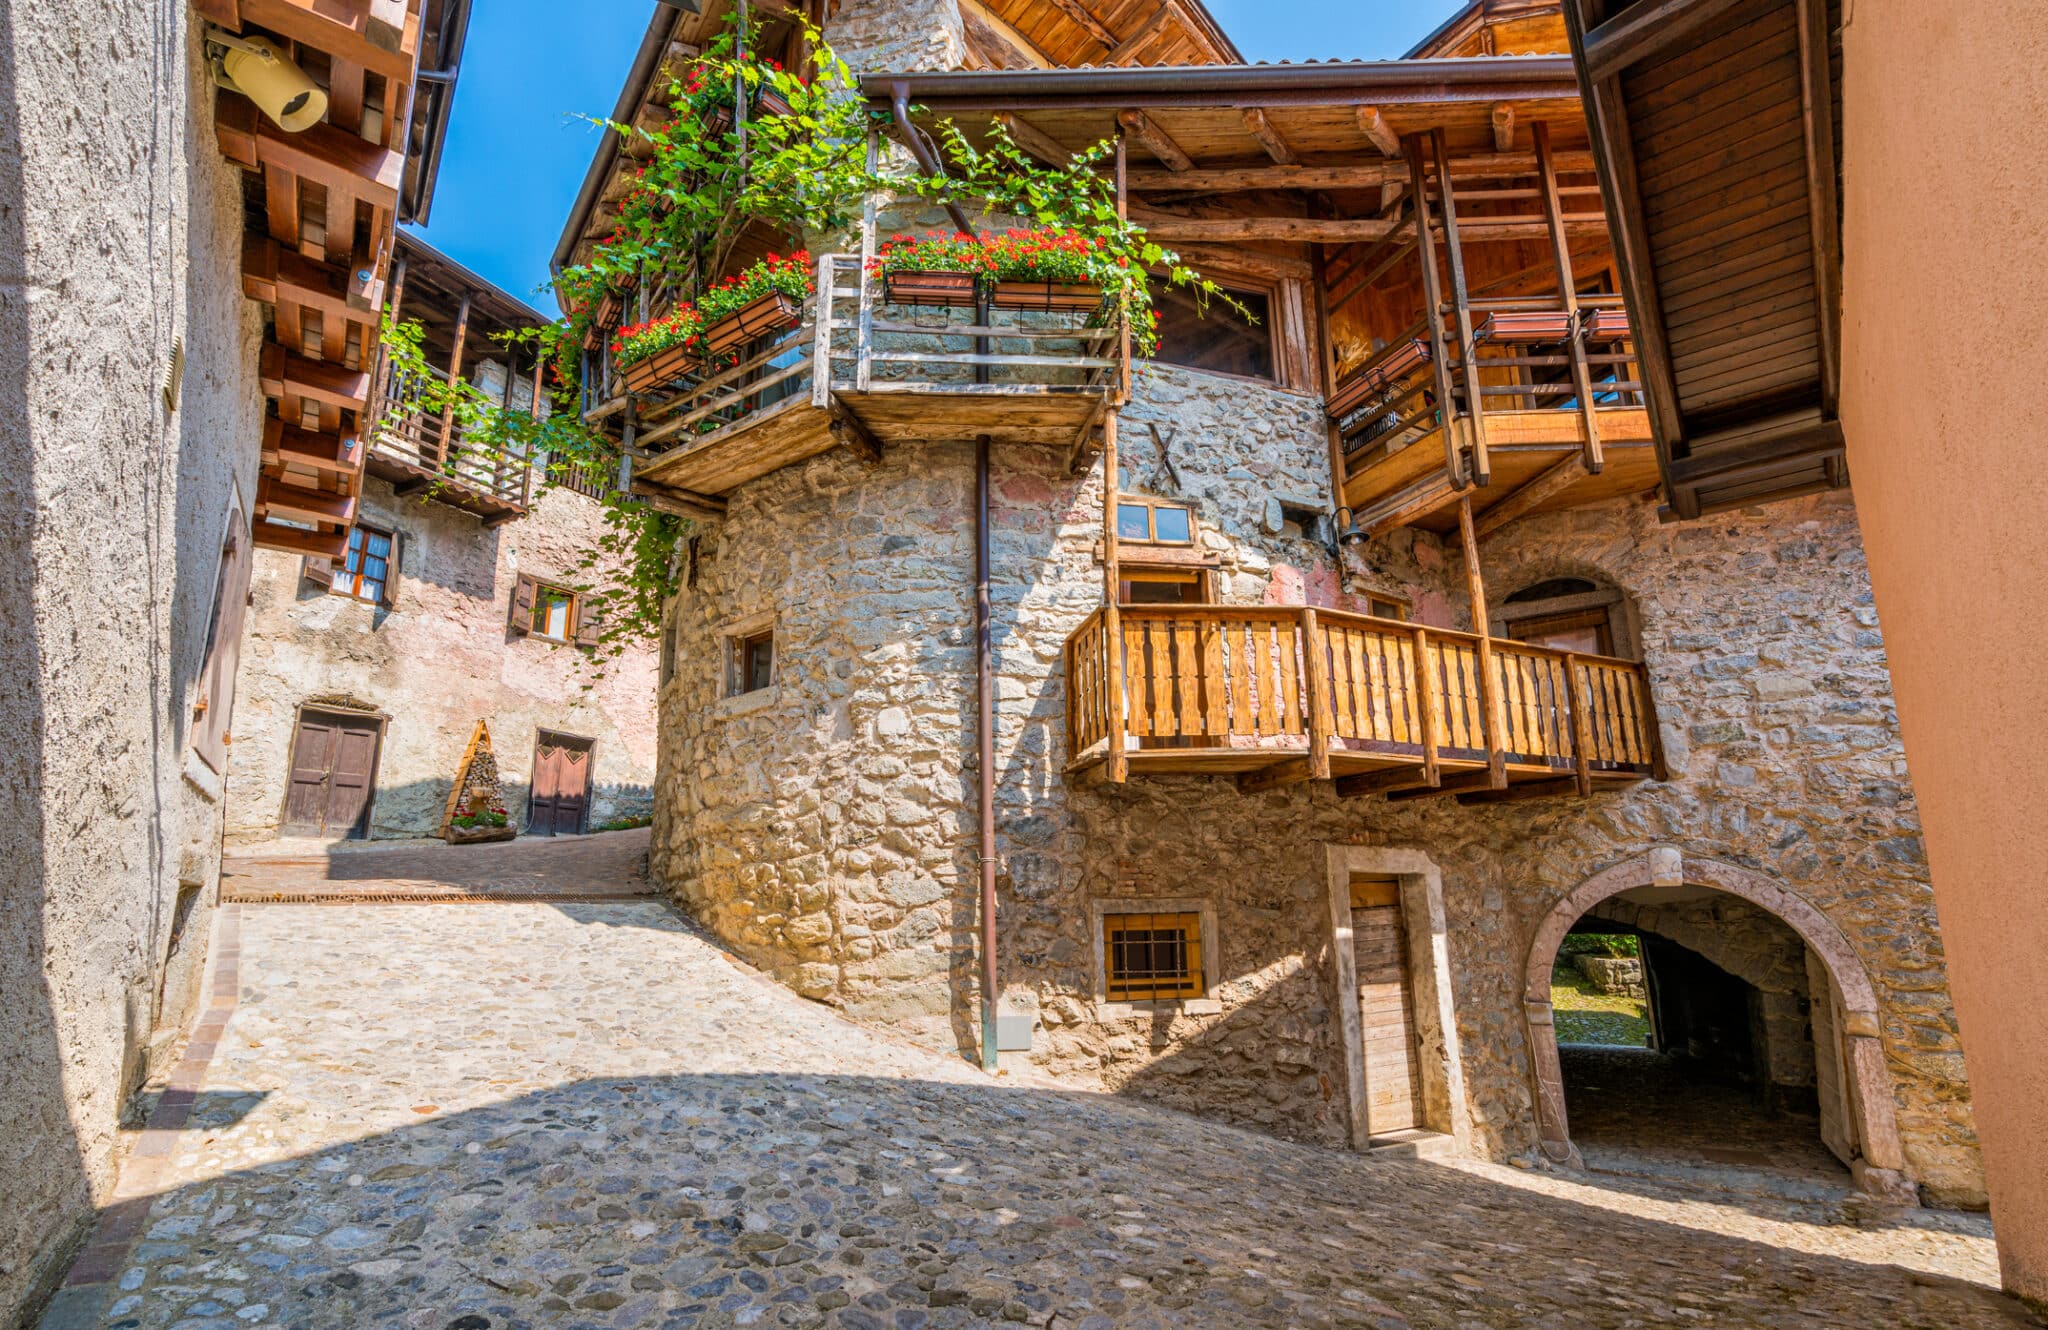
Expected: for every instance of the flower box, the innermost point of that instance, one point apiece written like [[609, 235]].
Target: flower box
[[717, 120], [646, 375], [770, 314], [1606, 325], [1044, 297], [478, 835], [942, 290]]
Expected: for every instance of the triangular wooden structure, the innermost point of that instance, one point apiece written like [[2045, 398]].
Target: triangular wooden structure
[[477, 772]]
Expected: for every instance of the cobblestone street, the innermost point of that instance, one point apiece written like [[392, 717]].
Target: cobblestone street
[[582, 1114]]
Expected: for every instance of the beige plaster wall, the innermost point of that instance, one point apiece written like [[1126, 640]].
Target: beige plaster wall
[[436, 662], [120, 231], [1945, 117]]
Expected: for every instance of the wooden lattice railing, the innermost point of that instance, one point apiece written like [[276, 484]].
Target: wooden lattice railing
[[1327, 681]]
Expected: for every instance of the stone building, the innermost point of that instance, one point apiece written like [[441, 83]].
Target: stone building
[[363, 679], [1308, 756], [134, 491]]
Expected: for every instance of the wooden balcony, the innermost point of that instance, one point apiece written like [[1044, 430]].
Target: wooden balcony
[[864, 376], [419, 452], [1277, 695]]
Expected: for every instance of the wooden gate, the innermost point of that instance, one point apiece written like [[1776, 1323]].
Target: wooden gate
[[1386, 1006], [560, 802], [333, 774]]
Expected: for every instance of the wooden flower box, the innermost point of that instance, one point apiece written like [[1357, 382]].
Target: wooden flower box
[[1047, 297], [1389, 367], [646, 375], [479, 835], [938, 290], [1607, 325], [1534, 327], [770, 314]]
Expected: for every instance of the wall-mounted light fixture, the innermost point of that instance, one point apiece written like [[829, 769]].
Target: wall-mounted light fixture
[[256, 68]]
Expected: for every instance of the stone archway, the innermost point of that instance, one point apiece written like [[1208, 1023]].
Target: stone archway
[[1879, 1168]]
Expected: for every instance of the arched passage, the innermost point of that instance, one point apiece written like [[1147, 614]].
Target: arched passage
[[1879, 1163]]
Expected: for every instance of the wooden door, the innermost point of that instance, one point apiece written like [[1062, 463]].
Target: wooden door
[[561, 785], [1386, 1007], [333, 775]]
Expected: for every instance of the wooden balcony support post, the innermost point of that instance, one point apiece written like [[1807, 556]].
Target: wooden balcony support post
[[1433, 302], [454, 378], [1428, 706], [1315, 679], [1115, 763], [1333, 436], [1492, 711], [1582, 724], [1561, 252], [1468, 348]]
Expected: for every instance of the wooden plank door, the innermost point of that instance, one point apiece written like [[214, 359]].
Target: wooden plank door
[[333, 775], [1386, 1007], [561, 785]]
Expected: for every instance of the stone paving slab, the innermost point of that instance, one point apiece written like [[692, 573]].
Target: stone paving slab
[[585, 1115], [608, 865]]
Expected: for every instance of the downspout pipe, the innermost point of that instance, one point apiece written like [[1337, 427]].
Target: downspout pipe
[[985, 743], [899, 103]]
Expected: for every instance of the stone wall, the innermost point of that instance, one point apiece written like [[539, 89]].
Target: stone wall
[[437, 661], [826, 829], [120, 234]]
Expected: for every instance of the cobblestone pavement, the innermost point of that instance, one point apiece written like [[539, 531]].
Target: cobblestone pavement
[[584, 1115], [602, 866]]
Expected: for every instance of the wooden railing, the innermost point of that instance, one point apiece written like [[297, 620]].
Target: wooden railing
[[433, 443], [1324, 682]]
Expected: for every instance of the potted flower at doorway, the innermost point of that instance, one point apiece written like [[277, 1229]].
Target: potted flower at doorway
[[938, 270], [481, 821]]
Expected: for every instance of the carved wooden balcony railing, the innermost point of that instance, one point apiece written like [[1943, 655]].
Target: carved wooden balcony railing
[[859, 375], [1275, 695], [422, 451]]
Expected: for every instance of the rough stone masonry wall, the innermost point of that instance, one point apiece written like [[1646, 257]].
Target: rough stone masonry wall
[[826, 829], [120, 230], [436, 662]]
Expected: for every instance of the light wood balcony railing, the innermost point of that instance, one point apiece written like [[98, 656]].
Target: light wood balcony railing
[[1276, 695], [418, 450]]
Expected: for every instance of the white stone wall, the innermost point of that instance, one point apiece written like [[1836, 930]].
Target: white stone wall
[[121, 228], [437, 661]]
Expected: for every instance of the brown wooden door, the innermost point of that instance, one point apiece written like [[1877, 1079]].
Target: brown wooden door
[[333, 775], [1386, 1007], [561, 785]]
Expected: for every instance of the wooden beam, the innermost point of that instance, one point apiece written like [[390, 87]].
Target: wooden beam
[[1547, 485], [331, 156], [1568, 290], [275, 496], [1643, 30], [1032, 140], [663, 501], [1078, 12], [1409, 504], [1254, 262], [1309, 230], [288, 445], [1503, 126], [1461, 299], [298, 540], [1370, 175], [1269, 138], [1381, 782], [1375, 127], [227, 13], [852, 434], [1433, 309], [380, 37], [1139, 127], [1464, 780], [1490, 705], [285, 373], [1514, 794], [1817, 117], [982, 25], [271, 274], [1281, 774], [1126, 51]]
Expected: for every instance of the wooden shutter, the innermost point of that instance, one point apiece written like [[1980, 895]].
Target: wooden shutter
[[318, 571], [589, 622], [390, 600], [523, 592]]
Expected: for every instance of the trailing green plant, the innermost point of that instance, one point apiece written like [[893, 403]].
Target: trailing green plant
[[1614, 945], [496, 817]]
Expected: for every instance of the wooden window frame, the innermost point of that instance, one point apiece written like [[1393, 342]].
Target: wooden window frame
[[358, 553], [1290, 303], [1404, 607], [542, 591], [1197, 995], [1182, 574], [736, 638], [745, 661], [1152, 507]]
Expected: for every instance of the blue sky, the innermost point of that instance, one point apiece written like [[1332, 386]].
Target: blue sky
[[516, 152]]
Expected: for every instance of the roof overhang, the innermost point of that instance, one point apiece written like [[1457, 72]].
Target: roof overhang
[[445, 27]]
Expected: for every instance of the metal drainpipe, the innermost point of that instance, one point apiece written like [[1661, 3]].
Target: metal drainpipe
[[900, 103], [984, 673]]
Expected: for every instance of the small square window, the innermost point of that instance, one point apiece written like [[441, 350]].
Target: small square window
[[1149, 957], [554, 612], [1133, 521], [1171, 526], [1387, 607], [756, 662], [1151, 523], [365, 571]]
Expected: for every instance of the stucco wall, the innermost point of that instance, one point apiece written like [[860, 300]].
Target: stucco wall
[[1944, 248], [120, 230], [435, 663], [826, 828]]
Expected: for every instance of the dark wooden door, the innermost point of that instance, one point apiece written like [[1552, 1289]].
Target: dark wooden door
[[1386, 1007], [333, 775], [561, 785]]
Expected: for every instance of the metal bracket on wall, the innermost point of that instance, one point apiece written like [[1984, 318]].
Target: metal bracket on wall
[[1163, 440]]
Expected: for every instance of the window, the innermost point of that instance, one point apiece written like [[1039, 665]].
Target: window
[[1148, 957], [366, 570], [1567, 614], [756, 661], [1588, 631], [1222, 341], [1154, 523], [554, 610], [1386, 607], [1163, 586]]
